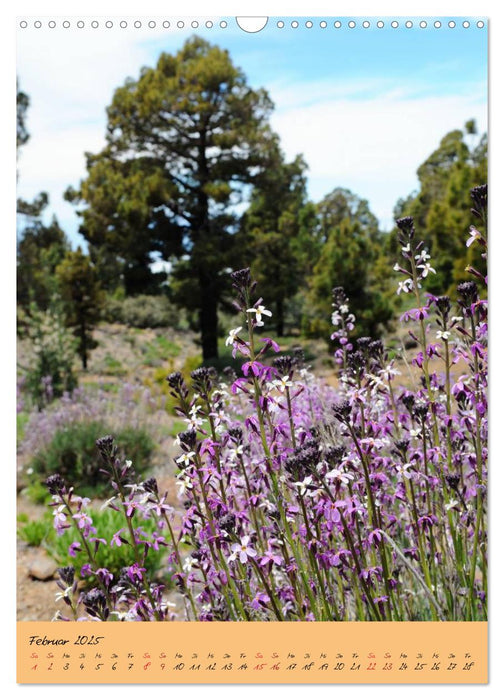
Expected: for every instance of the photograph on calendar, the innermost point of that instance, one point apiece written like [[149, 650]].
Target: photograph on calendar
[[252, 320]]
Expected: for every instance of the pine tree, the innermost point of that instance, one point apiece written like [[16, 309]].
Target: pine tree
[[352, 257], [183, 141], [82, 297]]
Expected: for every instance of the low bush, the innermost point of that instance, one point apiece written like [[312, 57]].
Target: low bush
[[63, 550], [143, 311], [72, 453], [108, 523], [48, 370], [160, 351], [35, 532]]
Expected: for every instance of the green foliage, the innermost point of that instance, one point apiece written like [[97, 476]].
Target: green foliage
[[41, 532], [49, 369], [160, 351], [277, 241], [351, 257], [182, 141], [443, 204], [82, 297], [40, 250], [107, 522], [113, 366], [157, 379], [22, 419], [22, 104], [109, 269], [37, 492], [178, 426], [36, 532], [142, 311], [73, 454]]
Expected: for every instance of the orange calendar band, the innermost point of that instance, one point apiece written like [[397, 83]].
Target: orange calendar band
[[252, 652]]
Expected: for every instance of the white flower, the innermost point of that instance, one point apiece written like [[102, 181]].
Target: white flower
[[259, 312], [283, 383], [396, 268], [377, 443], [415, 433], [426, 269], [185, 459], [188, 564], [230, 340], [267, 505], [343, 308], [475, 236], [451, 504], [107, 503], [134, 487], [402, 470], [184, 484], [339, 474], [193, 423], [405, 286], [443, 335], [302, 486], [389, 372], [67, 593], [234, 453], [219, 416], [242, 550], [422, 257], [375, 381], [59, 516]]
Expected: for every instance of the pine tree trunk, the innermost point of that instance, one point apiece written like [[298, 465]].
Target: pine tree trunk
[[208, 317], [83, 344], [280, 318]]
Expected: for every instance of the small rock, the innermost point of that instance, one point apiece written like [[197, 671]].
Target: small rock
[[42, 568]]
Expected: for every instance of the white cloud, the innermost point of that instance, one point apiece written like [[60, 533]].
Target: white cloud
[[373, 144]]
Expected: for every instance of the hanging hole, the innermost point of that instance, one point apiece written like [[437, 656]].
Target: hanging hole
[[251, 25]]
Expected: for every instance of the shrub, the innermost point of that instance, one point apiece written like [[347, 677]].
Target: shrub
[[113, 405], [40, 532], [21, 421], [72, 452], [143, 311], [49, 366], [108, 522], [160, 351], [113, 366], [35, 532]]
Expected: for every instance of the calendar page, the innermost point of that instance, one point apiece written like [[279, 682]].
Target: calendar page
[[252, 350]]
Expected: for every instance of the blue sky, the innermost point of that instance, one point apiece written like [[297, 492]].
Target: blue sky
[[365, 105]]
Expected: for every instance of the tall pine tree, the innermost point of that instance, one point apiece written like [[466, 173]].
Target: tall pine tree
[[183, 141]]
